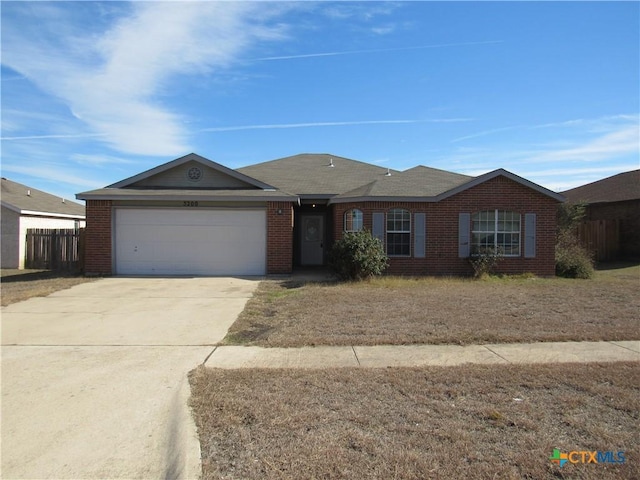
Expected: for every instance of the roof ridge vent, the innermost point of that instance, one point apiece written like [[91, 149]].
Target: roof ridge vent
[[331, 165]]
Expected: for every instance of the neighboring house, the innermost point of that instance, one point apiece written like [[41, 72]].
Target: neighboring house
[[192, 216], [614, 198], [25, 207]]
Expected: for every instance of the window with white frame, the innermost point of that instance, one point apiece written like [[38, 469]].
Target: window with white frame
[[353, 220], [496, 230], [399, 232]]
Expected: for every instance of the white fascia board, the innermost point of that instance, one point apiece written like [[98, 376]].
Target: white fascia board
[[34, 213]]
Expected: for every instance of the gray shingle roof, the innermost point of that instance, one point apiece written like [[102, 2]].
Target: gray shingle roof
[[618, 188], [416, 182], [311, 174], [23, 198]]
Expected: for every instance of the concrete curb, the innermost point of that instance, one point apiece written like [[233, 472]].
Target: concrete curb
[[232, 357]]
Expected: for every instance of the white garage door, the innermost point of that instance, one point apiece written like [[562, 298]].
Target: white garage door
[[190, 242]]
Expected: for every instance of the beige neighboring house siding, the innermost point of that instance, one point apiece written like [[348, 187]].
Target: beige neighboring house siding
[[14, 233], [27, 222], [10, 238]]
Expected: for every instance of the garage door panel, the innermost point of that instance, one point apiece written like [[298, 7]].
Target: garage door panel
[[190, 242]]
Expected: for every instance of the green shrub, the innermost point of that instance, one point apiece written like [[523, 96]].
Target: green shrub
[[356, 256], [572, 259], [485, 261]]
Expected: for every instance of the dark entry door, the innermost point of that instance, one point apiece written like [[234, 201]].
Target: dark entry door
[[312, 241]]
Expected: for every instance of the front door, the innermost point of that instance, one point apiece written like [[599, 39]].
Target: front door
[[312, 241]]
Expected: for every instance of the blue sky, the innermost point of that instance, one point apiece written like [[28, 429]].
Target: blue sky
[[94, 92]]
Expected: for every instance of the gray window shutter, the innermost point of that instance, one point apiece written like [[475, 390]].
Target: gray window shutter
[[464, 225], [529, 235], [419, 235], [378, 226]]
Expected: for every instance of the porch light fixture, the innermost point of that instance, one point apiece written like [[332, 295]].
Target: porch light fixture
[[279, 211]]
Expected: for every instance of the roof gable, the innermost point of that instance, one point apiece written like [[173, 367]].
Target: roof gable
[[617, 188], [502, 172], [23, 199], [191, 172], [429, 185]]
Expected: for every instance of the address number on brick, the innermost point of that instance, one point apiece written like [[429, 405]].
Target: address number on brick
[[190, 203]]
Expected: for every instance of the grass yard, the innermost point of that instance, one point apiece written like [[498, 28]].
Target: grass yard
[[473, 422], [19, 285], [392, 310]]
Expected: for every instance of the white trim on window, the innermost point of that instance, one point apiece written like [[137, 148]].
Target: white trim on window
[[398, 238], [496, 229]]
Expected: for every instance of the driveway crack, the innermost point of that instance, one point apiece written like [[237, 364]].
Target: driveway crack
[[496, 353], [355, 355], [209, 356]]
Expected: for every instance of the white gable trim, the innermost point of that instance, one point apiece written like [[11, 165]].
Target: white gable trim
[[497, 173]]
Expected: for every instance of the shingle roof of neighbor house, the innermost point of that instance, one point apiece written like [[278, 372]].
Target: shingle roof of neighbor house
[[22, 198], [618, 188]]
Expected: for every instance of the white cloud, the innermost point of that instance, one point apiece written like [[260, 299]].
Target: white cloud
[[111, 79], [99, 159], [579, 151], [53, 173], [376, 50], [621, 142], [328, 124]]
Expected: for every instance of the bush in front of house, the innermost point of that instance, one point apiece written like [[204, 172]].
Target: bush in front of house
[[572, 259], [485, 261], [357, 255]]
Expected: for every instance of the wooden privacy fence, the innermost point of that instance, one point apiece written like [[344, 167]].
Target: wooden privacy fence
[[59, 249], [601, 237]]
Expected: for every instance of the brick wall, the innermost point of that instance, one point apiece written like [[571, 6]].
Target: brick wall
[[442, 228], [98, 238], [279, 237]]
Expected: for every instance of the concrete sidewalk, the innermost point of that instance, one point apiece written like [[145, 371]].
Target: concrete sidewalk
[[230, 357]]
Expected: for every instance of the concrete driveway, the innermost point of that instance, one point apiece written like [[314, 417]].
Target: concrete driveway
[[94, 378]]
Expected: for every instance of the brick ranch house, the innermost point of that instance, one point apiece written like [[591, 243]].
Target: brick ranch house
[[192, 216]]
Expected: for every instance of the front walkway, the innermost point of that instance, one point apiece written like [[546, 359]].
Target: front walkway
[[230, 357]]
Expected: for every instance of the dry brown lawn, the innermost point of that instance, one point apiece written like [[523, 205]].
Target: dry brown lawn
[[19, 285], [398, 311], [473, 422]]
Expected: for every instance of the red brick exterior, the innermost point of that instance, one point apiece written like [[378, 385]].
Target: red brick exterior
[[98, 238], [442, 231], [279, 237], [442, 228]]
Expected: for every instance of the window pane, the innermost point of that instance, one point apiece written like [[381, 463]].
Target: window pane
[[505, 235], [353, 220], [398, 220], [398, 244]]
